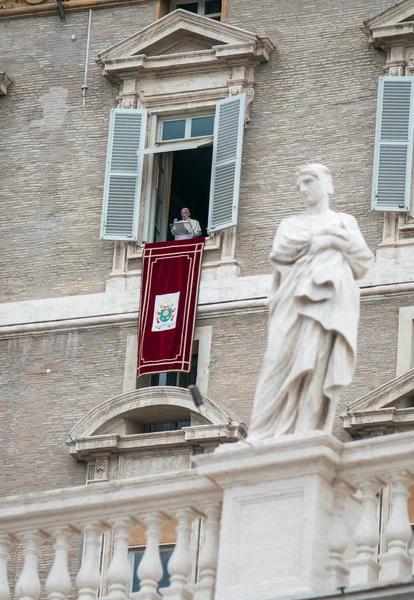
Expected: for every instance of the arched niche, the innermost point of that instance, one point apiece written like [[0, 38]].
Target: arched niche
[[113, 437]]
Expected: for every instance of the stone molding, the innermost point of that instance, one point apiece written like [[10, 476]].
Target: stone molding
[[388, 28], [384, 410], [386, 394], [93, 447], [143, 398], [5, 82], [147, 51], [184, 61], [222, 298], [88, 441], [373, 423]]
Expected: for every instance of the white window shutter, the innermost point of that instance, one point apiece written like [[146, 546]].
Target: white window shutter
[[393, 144], [122, 190], [226, 166]]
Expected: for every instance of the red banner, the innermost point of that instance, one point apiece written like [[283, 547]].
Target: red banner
[[169, 293]]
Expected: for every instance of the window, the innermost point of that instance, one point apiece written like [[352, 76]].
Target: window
[[206, 8], [191, 127], [391, 189], [196, 163], [173, 378], [157, 427], [136, 555]]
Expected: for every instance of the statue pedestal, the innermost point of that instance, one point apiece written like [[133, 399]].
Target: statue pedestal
[[277, 508]]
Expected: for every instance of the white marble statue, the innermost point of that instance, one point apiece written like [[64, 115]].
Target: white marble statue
[[313, 314]]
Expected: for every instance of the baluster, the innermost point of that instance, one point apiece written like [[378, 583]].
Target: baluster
[[58, 583], [338, 572], [150, 568], [179, 565], [204, 589], [119, 572], [5, 545], [396, 563], [365, 568], [28, 585], [88, 578]]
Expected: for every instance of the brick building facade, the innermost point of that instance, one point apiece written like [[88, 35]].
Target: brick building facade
[[68, 307]]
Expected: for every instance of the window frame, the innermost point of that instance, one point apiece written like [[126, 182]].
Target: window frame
[[131, 555], [201, 8], [187, 131]]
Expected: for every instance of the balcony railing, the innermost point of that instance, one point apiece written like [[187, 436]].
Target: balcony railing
[[356, 473]]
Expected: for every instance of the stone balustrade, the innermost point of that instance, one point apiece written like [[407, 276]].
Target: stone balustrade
[[323, 514], [119, 507], [376, 474]]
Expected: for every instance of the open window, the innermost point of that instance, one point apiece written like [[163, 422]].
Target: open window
[[205, 8], [197, 164]]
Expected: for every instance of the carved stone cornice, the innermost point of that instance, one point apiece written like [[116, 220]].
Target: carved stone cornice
[[183, 43], [392, 27], [5, 83], [387, 409]]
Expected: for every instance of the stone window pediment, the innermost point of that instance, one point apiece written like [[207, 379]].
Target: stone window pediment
[[387, 409], [393, 26], [181, 40]]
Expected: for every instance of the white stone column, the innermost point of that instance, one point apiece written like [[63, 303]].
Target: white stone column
[[277, 508], [396, 563], [88, 578], [119, 572], [150, 568], [338, 572], [5, 545], [28, 584], [58, 583], [179, 565], [205, 587], [365, 568]]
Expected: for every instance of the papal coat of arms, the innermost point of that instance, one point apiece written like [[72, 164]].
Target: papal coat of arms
[[165, 312]]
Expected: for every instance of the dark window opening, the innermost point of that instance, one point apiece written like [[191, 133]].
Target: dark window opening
[[173, 378], [157, 427], [183, 182], [190, 6], [165, 555], [207, 8]]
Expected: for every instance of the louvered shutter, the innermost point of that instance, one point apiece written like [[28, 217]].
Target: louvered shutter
[[393, 145], [226, 167], [122, 191]]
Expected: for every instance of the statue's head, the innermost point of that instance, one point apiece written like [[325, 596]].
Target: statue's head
[[314, 182]]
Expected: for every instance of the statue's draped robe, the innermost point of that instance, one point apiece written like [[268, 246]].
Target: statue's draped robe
[[313, 321]]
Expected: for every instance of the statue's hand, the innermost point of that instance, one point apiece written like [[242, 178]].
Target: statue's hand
[[320, 242], [326, 241], [337, 231]]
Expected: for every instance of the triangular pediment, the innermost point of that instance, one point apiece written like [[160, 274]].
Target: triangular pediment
[[397, 393], [178, 32], [387, 409], [394, 23], [401, 12]]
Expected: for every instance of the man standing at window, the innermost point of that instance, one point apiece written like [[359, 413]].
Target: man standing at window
[[190, 225]]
